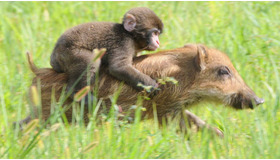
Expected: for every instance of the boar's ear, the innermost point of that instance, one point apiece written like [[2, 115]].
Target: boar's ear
[[201, 57]]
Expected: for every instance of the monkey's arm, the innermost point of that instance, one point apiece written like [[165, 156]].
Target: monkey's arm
[[120, 66]]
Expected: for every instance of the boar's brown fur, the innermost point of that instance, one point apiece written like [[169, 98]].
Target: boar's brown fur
[[202, 74]]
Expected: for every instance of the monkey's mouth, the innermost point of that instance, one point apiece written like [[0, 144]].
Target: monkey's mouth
[[239, 101], [152, 47]]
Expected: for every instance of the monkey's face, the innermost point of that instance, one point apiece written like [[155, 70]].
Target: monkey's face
[[152, 39], [145, 26]]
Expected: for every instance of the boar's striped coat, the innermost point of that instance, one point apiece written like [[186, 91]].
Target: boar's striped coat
[[203, 74]]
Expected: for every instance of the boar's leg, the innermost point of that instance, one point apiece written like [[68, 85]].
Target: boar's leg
[[22, 122], [199, 123]]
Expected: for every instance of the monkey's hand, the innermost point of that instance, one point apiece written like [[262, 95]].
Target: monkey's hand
[[154, 91], [150, 90]]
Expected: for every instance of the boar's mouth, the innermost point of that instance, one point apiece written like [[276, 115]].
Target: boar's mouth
[[240, 101]]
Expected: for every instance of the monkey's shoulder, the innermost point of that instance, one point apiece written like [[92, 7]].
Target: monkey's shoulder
[[94, 28], [106, 33]]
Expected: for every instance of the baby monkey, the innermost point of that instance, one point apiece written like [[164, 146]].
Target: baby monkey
[[139, 31]]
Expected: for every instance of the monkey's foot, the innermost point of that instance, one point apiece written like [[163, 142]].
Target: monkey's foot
[[89, 100]]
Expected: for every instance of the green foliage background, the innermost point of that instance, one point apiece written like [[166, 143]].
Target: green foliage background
[[247, 31]]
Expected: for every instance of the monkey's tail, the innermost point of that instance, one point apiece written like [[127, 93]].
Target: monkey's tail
[[31, 63]]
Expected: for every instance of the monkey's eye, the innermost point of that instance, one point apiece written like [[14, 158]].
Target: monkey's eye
[[153, 32], [156, 33], [223, 71]]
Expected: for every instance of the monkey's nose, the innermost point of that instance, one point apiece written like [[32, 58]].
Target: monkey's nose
[[157, 42], [259, 100]]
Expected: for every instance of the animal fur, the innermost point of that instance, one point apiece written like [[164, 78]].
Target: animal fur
[[195, 67]]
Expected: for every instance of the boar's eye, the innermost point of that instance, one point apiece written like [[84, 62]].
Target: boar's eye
[[222, 71]]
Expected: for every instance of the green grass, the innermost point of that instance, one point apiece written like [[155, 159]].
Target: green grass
[[247, 31]]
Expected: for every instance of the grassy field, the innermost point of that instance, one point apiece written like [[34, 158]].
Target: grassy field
[[247, 31]]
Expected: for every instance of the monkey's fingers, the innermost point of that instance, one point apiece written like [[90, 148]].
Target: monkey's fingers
[[154, 91]]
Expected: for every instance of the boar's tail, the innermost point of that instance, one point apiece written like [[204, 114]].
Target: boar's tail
[[46, 75], [31, 63]]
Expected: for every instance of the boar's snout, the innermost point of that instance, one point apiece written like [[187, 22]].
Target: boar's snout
[[241, 101], [259, 100]]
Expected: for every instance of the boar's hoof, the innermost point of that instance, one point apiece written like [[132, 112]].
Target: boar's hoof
[[202, 124], [218, 132]]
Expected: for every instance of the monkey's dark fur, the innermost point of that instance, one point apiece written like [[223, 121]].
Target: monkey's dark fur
[[73, 51]]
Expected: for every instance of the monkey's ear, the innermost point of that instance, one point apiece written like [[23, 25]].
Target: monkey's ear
[[201, 57], [129, 22]]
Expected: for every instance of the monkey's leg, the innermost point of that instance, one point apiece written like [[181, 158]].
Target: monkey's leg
[[202, 124], [82, 70]]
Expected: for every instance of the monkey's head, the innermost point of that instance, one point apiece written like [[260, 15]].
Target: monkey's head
[[145, 26]]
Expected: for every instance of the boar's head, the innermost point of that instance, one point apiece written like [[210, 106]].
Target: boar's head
[[216, 79]]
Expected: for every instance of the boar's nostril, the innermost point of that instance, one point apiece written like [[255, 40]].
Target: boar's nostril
[[259, 101]]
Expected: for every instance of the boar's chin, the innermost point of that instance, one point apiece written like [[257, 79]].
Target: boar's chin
[[239, 101]]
